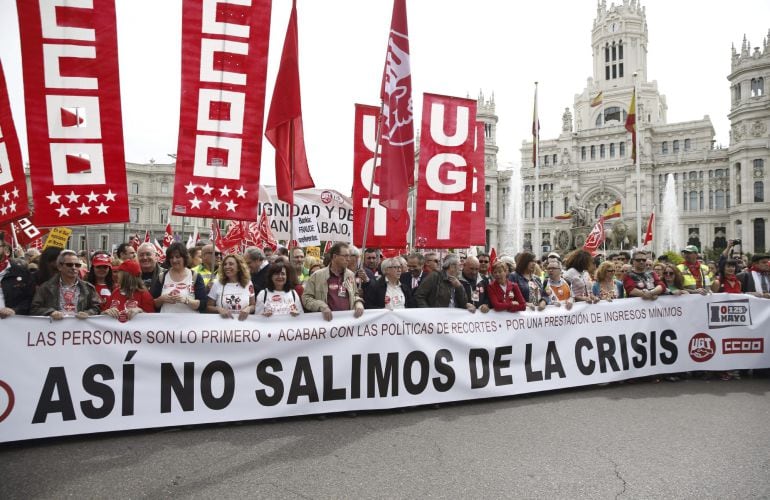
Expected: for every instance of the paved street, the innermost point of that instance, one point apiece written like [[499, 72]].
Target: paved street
[[691, 439]]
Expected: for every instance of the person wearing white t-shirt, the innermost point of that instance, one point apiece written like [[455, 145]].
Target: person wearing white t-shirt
[[279, 297], [180, 290], [232, 293]]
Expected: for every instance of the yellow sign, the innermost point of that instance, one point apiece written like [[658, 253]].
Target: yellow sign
[[313, 252], [58, 237]]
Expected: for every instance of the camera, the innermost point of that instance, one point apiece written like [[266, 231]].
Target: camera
[[736, 242]]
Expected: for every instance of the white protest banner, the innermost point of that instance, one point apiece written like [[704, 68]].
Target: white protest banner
[[306, 230], [332, 210], [83, 376]]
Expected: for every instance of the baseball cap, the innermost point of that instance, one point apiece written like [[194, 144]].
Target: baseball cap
[[101, 259], [131, 267], [690, 249]]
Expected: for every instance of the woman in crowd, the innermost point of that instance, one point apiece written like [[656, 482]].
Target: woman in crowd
[[388, 292], [180, 289], [504, 294], [100, 275], [579, 267], [232, 292], [727, 281], [130, 297], [674, 280], [528, 282], [657, 268], [47, 265], [607, 286], [280, 296]]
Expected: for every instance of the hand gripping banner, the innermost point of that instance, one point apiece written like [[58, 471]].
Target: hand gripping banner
[[74, 125], [224, 64], [384, 230], [445, 188], [13, 185]]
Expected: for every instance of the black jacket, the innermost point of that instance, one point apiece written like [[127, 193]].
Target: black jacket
[[18, 289], [480, 290], [375, 294]]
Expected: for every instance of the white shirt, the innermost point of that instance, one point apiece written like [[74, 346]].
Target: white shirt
[[231, 296], [394, 297], [185, 287], [279, 302]]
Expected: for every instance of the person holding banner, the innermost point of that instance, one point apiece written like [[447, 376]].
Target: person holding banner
[[414, 270], [100, 275], [16, 285], [147, 255], [529, 282], [674, 280], [131, 296], [638, 282], [66, 294], [442, 288], [388, 292], [280, 296], [580, 267], [556, 288], [333, 288], [475, 286], [504, 294], [606, 286], [180, 289], [232, 291]]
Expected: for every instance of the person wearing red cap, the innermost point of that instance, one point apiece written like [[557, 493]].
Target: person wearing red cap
[[100, 275], [130, 297]]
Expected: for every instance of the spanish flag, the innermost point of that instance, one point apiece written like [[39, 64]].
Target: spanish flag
[[631, 124], [597, 100], [614, 211]]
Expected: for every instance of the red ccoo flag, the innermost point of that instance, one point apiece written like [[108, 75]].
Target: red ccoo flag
[[648, 234], [284, 122], [631, 124], [596, 237], [147, 236], [397, 135]]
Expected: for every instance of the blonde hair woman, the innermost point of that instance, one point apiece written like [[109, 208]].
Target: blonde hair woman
[[232, 292]]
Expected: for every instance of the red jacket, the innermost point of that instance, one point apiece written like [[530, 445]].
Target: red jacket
[[505, 301]]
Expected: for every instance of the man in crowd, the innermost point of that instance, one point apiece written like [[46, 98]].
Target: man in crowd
[[125, 251], [66, 294], [372, 263], [16, 284], [484, 265], [475, 286], [639, 282], [694, 272], [333, 288], [353, 258], [756, 279], [195, 256], [442, 288], [148, 263], [431, 262], [415, 273], [267, 251], [204, 268], [257, 268], [298, 262]]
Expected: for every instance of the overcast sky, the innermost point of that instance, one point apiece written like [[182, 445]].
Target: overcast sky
[[458, 47]]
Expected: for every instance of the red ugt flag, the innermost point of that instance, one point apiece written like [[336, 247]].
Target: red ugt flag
[[596, 237], [397, 118], [284, 122]]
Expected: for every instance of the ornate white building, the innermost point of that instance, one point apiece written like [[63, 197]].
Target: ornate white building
[[720, 192]]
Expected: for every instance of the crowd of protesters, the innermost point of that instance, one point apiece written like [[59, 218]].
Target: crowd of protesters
[[60, 283]]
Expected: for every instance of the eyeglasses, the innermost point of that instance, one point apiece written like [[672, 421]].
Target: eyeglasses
[[669, 273], [554, 268], [72, 264], [431, 260], [640, 260]]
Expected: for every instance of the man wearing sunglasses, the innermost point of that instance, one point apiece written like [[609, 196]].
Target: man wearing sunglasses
[[639, 282], [66, 295]]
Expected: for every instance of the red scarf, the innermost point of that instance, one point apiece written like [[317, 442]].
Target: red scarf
[[731, 284], [695, 270]]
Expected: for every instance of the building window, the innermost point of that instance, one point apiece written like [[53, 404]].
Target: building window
[[675, 146], [601, 151], [614, 52], [759, 192], [737, 92], [582, 152], [612, 150], [593, 152], [759, 235], [134, 215], [134, 188], [164, 187], [757, 87], [687, 144], [163, 215], [546, 160], [554, 159], [719, 199], [607, 73], [693, 200], [488, 130], [620, 50], [738, 194], [694, 175], [759, 166], [607, 53], [664, 148], [566, 205], [104, 241], [622, 149]]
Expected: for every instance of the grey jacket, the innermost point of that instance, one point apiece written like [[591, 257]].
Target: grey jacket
[[436, 291], [46, 298]]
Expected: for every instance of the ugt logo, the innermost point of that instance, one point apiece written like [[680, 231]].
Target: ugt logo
[[729, 313], [7, 400]]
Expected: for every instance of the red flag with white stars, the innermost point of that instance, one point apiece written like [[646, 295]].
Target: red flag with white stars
[[13, 185]]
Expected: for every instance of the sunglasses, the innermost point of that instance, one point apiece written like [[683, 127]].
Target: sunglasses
[[72, 264], [640, 260], [669, 273]]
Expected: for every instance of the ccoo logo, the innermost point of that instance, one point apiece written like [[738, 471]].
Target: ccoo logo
[[702, 347], [7, 400]]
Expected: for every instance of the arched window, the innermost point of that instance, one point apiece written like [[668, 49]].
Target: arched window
[[757, 87], [612, 150], [622, 149], [759, 235], [759, 192], [614, 51], [593, 152], [664, 148], [601, 151], [582, 152], [620, 50]]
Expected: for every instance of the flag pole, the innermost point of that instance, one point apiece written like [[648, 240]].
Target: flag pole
[[638, 168], [291, 179], [536, 249], [371, 179], [214, 231]]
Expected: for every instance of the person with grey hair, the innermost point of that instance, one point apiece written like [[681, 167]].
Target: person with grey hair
[[431, 262], [353, 258], [388, 292], [147, 255], [258, 267], [442, 288], [66, 294]]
